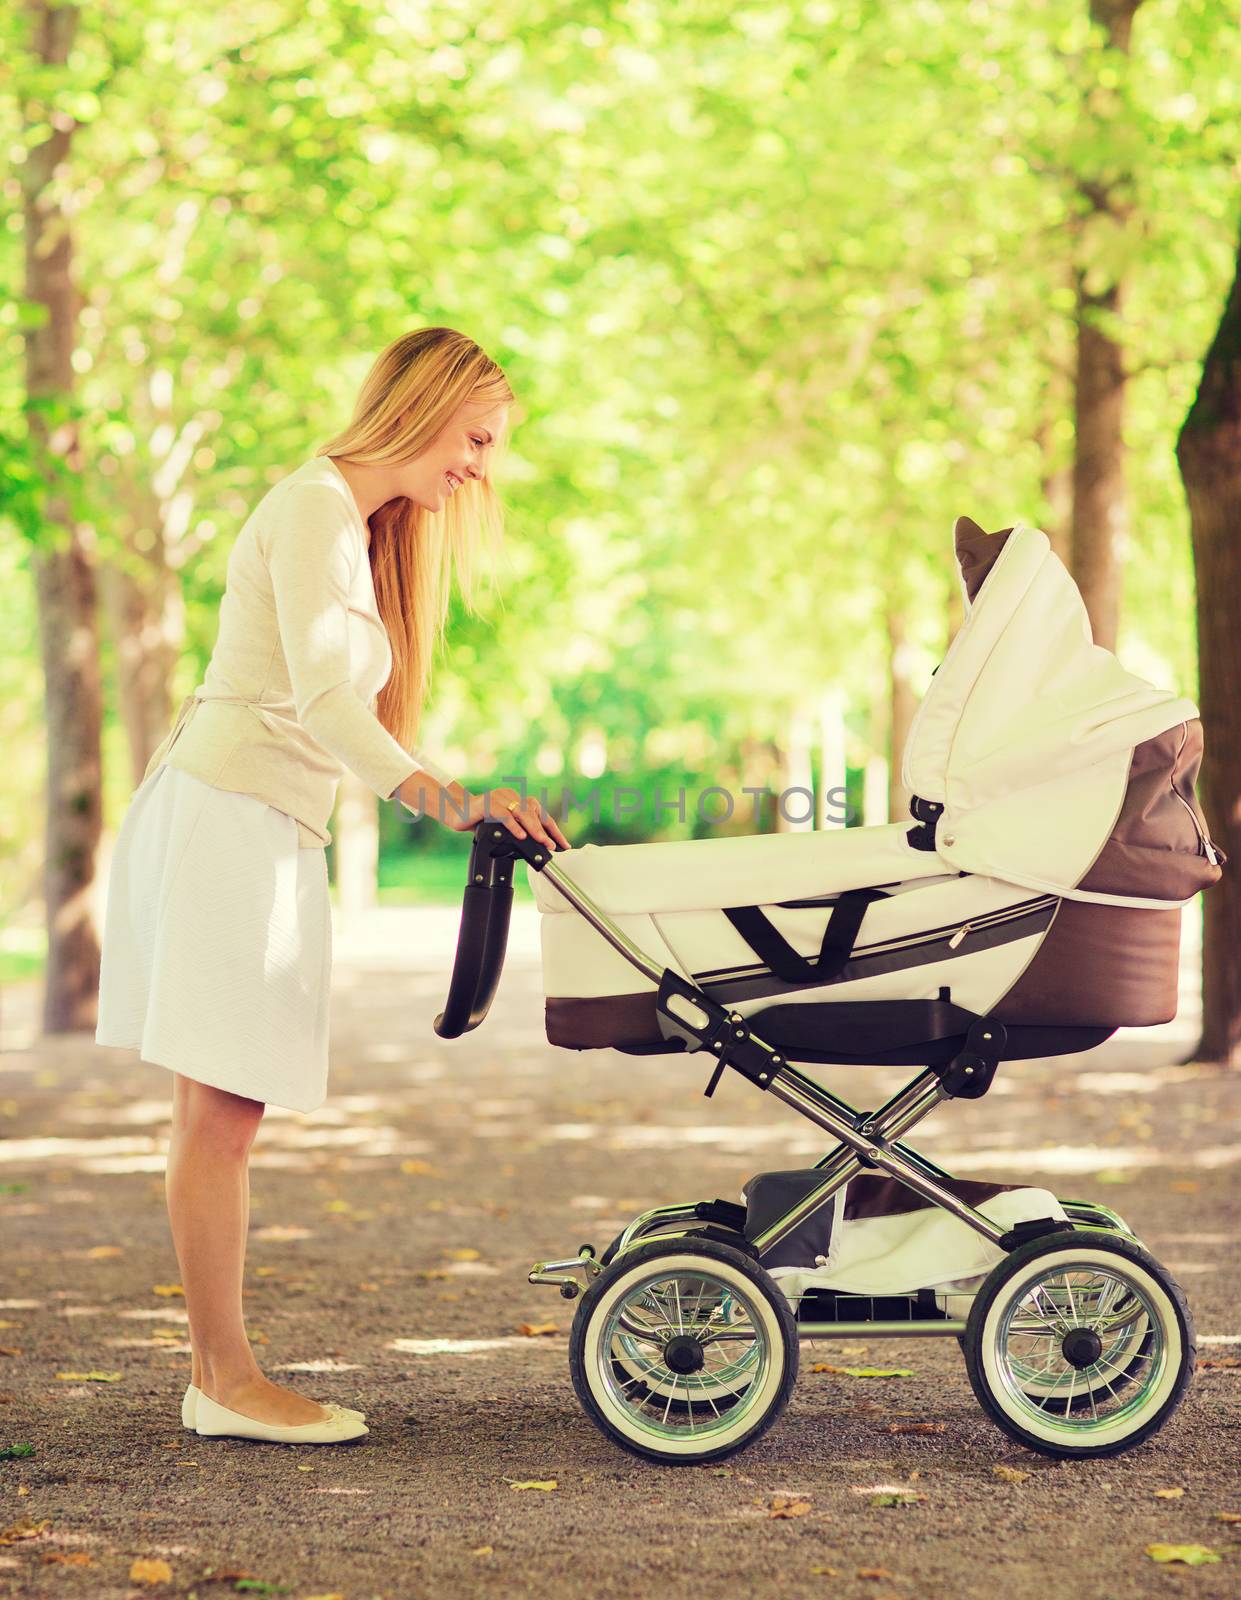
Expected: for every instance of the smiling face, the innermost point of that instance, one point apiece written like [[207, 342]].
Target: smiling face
[[459, 453]]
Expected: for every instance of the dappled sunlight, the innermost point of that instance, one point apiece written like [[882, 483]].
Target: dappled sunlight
[[51, 1147], [1120, 1082], [319, 1366], [472, 1347], [1084, 1158]]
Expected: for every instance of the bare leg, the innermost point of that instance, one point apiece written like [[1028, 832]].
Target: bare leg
[[208, 1208], [196, 1364]]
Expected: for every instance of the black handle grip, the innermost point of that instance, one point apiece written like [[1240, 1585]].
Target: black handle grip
[[482, 937]]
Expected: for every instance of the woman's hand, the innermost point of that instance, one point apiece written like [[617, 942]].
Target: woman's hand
[[520, 817]]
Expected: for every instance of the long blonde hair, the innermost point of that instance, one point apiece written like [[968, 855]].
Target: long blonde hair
[[412, 390]]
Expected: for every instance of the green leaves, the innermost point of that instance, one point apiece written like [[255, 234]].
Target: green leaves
[[1190, 1555]]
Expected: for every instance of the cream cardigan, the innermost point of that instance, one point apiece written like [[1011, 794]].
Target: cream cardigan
[[287, 700]]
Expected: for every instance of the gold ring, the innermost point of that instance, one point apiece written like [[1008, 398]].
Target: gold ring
[[512, 805]]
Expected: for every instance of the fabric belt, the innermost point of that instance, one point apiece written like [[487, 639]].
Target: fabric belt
[[785, 962]]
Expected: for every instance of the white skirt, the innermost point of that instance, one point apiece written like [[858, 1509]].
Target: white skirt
[[217, 942]]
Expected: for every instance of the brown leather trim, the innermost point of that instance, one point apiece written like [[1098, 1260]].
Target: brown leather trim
[[1155, 848], [872, 1196], [977, 552], [1099, 966], [601, 1022]]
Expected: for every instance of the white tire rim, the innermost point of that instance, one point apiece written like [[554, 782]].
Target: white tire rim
[[694, 1433], [1110, 1419]]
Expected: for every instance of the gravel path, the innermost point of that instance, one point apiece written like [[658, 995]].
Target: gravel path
[[391, 1234]]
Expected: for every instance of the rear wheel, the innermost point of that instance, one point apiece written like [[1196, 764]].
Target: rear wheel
[[1080, 1344], [683, 1350]]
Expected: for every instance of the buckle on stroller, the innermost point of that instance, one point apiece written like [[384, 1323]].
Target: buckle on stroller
[[968, 1075], [685, 1013], [928, 813]]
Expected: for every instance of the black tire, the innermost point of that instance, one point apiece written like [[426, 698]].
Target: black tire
[[739, 1423], [1078, 1432]]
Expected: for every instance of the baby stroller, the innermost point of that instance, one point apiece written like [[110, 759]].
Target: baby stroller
[[1031, 909]]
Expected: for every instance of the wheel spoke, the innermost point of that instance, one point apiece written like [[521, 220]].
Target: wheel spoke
[[1036, 1375], [719, 1396]]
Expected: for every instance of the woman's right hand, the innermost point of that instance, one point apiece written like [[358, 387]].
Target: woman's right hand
[[520, 817]]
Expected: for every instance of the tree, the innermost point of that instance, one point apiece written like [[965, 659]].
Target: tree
[[1208, 452], [63, 562]]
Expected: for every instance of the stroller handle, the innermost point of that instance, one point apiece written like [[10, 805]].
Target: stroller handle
[[483, 934]]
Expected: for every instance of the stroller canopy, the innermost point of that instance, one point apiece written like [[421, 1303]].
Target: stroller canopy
[[1027, 732]]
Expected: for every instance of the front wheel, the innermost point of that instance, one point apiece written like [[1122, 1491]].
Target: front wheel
[[1079, 1344], [683, 1351]]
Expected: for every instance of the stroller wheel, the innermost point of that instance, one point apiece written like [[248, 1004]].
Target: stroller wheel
[[1079, 1344], [683, 1351]]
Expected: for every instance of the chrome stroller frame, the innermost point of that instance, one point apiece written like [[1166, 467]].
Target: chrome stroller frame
[[1131, 1285]]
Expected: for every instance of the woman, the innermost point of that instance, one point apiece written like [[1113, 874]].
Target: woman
[[217, 935]]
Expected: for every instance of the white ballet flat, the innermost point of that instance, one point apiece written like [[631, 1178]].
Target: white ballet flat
[[189, 1408], [214, 1421]]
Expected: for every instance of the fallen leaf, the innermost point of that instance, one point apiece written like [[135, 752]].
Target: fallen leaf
[[1192, 1555], [11, 1452], [150, 1571], [483, 1550], [532, 1483], [902, 1498], [69, 1558], [99, 1252], [1011, 1474], [422, 1168], [533, 1329], [304, 1466], [167, 1289], [826, 1572], [1221, 1361], [916, 1427], [787, 1505], [91, 1377], [464, 1254], [1228, 1516], [863, 1372], [25, 1529], [9, 1350], [1168, 1494]]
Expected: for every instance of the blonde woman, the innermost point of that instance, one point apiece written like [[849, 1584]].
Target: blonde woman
[[217, 933]]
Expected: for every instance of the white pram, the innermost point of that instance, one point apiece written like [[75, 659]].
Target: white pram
[[1031, 909]]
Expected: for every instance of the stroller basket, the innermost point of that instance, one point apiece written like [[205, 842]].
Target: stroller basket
[[1032, 907]]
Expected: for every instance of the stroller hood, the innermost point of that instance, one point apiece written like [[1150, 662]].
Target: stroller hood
[[1027, 733]]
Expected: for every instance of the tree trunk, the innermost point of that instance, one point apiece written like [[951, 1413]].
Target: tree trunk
[[1100, 513], [795, 807], [1208, 451], [356, 837], [63, 568], [145, 619], [902, 704], [1057, 460], [831, 802]]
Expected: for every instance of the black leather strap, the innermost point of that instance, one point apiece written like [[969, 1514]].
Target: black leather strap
[[839, 938]]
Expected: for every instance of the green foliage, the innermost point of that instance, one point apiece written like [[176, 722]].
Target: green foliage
[[782, 290]]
